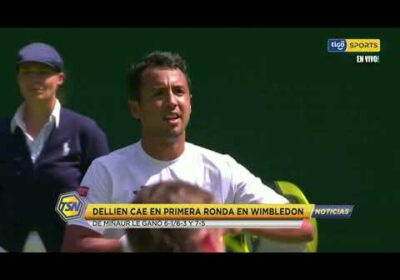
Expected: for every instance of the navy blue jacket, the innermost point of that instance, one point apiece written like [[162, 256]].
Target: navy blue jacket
[[29, 192]]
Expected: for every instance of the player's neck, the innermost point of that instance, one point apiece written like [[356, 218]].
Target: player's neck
[[161, 149]]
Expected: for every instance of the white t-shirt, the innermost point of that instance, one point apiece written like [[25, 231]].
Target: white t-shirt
[[116, 177]]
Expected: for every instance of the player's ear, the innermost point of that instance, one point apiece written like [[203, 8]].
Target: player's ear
[[134, 108], [190, 102], [61, 78]]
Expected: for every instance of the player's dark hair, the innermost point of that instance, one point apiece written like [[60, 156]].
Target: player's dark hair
[[168, 240], [154, 59]]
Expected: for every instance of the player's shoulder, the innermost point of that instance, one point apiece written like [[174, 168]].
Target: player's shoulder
[[209, 155], [117, 157]]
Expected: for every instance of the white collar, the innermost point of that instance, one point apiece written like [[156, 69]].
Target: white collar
[[145, 155], [18, 119]]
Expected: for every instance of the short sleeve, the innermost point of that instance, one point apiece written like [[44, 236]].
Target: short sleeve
[[98, 184], [249, 188]]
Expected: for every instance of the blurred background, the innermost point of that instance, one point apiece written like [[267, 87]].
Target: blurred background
[[273, 98]]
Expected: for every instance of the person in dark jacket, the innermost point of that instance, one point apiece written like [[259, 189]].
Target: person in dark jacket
[[45, 149]]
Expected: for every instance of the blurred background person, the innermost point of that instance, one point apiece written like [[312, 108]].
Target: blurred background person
[[175, 240], [45, 149]]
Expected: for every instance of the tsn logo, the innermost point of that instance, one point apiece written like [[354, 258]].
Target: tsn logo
[[69, 206], [354, 45]]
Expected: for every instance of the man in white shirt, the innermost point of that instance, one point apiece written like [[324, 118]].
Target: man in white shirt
[[160, 98]]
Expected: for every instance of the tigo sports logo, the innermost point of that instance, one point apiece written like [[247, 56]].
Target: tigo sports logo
[[354, 45], [337, 45], [70, 206]]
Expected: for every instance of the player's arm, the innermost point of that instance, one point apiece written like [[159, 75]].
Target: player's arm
[[303, 234], [83, 239], [79, 235], [249, 189]]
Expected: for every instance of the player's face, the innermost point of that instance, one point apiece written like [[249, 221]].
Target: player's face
[[38, 81], [164, 108]]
